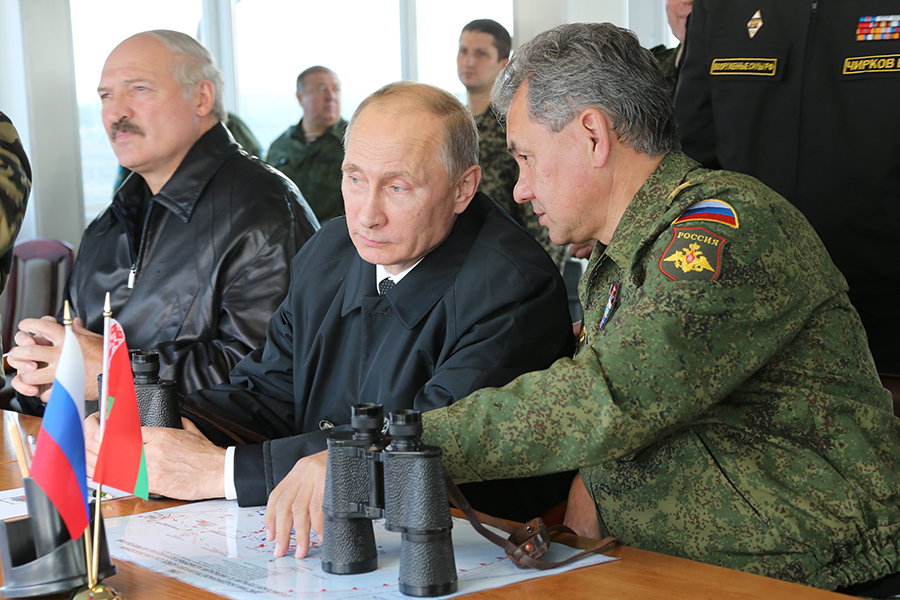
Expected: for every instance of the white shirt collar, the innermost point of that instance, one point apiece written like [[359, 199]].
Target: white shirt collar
[[382, 273]]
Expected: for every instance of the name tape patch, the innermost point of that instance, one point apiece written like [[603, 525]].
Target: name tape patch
[[885, 63], [744, 66]]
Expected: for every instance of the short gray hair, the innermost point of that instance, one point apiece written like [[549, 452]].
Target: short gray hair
[[459, 148], [198, 64], [592, 65]]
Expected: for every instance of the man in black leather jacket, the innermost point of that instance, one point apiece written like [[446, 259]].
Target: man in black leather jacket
[[196, 246]]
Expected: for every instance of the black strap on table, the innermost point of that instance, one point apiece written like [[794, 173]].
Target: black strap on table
[[526, 544]]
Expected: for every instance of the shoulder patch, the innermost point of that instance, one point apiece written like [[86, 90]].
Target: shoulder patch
[[693, 254], [710, 210]]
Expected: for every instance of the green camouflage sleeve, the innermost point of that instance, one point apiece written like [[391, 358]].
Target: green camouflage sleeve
[[15, 185], [671, 350]]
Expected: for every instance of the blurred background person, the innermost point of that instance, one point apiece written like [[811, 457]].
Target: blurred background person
[[310, 152]]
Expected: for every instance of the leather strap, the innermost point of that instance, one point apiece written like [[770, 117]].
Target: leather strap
[[236, 432], [526, 544]]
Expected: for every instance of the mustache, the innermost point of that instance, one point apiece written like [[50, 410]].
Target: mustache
[[124, 127]]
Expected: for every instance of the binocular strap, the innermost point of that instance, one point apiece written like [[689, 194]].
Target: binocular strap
[[525, 544], [234, 431]]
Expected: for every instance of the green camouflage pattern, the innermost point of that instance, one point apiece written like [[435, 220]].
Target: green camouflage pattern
[[499, 174], [243, 135], [314, 167], [15, 185], [735, 420], [666, 57]]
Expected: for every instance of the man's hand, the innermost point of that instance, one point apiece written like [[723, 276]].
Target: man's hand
[[296, 503], [581, 513], [181, 463], [37, 351]]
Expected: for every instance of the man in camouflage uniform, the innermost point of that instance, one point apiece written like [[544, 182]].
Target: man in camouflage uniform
[[723, 405], [310, 153], [669, 59], [484, 47], [15, 185]]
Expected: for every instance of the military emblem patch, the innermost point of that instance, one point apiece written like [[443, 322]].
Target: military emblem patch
[[754, 24], [693, 254]]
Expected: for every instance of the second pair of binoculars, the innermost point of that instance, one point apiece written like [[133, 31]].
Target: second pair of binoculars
[[158, 401], [370, 476]]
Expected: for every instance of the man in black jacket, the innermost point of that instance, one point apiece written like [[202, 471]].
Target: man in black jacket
[[196, 246], [473, 302], [803, 95]]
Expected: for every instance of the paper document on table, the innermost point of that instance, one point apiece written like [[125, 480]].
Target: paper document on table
[[219, 546], [12, 504]]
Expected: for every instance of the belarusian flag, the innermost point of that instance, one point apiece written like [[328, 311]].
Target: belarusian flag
[[120, 461]]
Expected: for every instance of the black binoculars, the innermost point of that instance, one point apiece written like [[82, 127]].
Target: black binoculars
[[370, 476], [158, 401]]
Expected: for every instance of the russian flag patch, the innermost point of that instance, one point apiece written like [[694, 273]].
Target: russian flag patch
[[710, 210]]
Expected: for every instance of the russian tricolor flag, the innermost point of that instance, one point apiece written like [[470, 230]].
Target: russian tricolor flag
[[710, 210], [59, 463]]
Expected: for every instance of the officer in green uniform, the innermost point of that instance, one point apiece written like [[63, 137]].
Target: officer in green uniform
[[484, 47], [723, 405], [310, 153], [15, 185]]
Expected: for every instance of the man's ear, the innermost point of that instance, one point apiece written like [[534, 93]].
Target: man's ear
[[596, 126], [466, 188], [206, 97]]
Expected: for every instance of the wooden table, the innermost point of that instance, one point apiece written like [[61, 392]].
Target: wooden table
[[640, 574]]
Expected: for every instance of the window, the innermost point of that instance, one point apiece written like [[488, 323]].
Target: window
[[274, 41], [438, 37], [277, 39]]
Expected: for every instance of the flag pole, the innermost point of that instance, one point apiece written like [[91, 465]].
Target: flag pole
[[104, 382], [104, 391], [67, 323]]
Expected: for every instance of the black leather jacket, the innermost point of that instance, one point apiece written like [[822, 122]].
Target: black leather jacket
[[210, 261]]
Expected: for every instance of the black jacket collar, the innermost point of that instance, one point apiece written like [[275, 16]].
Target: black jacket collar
[[425, 285], [181, 193]]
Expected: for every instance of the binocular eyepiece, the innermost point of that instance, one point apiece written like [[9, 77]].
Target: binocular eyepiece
[[368, 478]]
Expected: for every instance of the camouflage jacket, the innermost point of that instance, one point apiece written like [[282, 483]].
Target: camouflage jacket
[[499, 174], [15, 185], [728, 410], [668, 62], [241, 133], [314, 167]]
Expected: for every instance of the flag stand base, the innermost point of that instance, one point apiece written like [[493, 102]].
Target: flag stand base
[[37, 555], [101, 591]]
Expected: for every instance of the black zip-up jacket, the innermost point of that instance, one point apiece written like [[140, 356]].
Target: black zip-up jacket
[[808, 104]]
